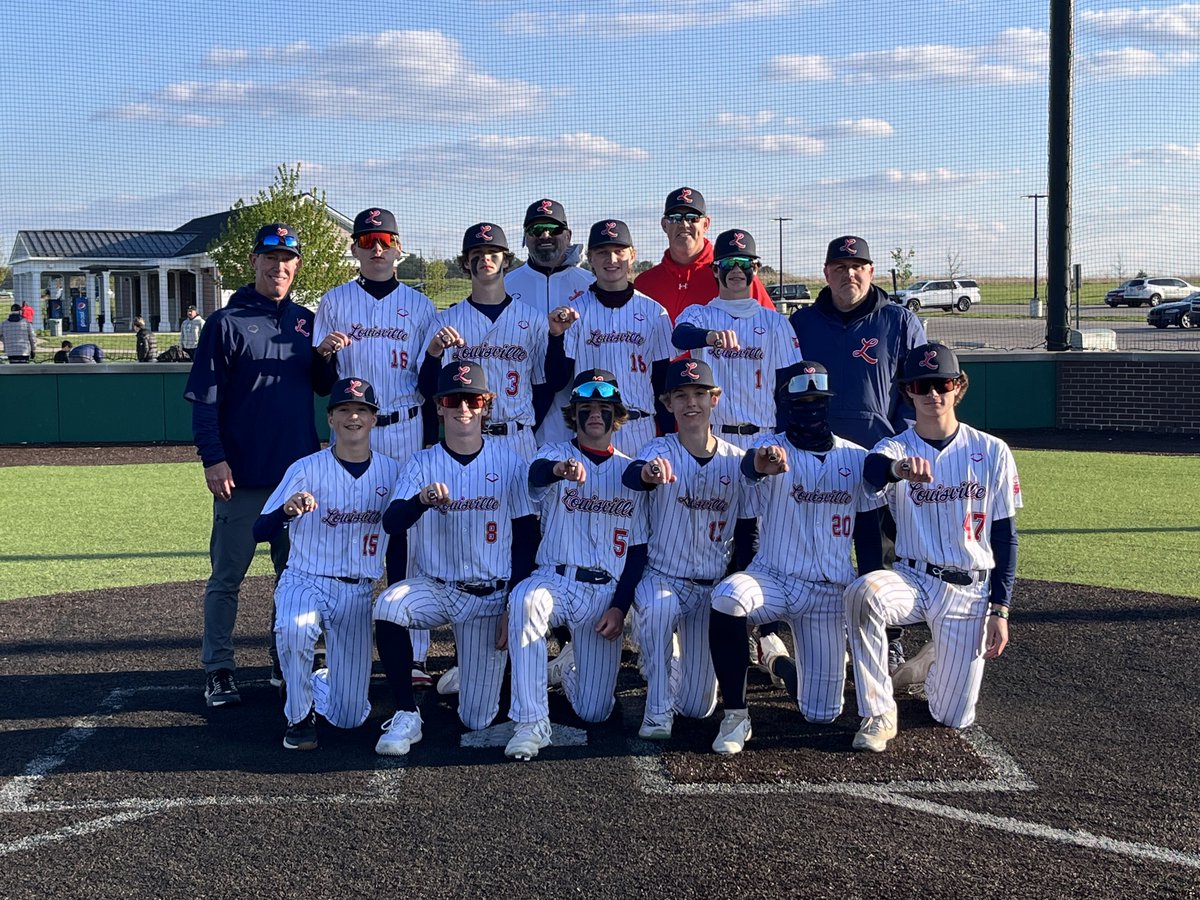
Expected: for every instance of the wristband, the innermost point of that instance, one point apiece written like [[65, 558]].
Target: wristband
[[1001, 612]]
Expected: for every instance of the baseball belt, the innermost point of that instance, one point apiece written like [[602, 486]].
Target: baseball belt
[[587, 576], [346, 579], [500, 428], [382, 420], [476, 588], [635, 414], [741, 429], [948, 574]]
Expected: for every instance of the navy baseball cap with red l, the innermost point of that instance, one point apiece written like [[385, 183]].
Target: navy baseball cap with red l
[[461, 377], [609, 233], [684, 198], [276, 236], [735, 242], [353, 390], [930, 361], [595, 384], [374, 219], [848, 247], [485, 234], [685, 372], [545, 210]]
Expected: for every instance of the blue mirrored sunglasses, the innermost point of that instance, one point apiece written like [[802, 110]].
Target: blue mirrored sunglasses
[[799, 384], [274, 240], [591, 389], [740, 262]]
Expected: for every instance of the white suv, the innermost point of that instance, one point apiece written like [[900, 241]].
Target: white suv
[[958, 295], [1155, 290]]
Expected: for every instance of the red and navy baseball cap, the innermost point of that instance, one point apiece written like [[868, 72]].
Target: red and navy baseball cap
[[462, 377], [595, 384], [609, 233], [735, 242], [930, 361], [685, 198], [848, 247], [545, 211], [374, 219], [485, 234], [807, 378], [352, 390], [684, 372], [277, 236]]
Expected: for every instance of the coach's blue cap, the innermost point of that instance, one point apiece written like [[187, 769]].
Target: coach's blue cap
[[683, 372], [930, 361], [847, 247], [485, 234], [277, 236], [353, 390], [462, 377]]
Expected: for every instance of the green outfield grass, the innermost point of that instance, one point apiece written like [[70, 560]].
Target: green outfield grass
[[1104, 519]]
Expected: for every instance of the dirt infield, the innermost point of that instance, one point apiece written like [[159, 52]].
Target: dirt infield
[[116, 780]]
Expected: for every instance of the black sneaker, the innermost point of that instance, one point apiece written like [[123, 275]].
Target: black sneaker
[[302, 735], [276, 673], [220, 690]]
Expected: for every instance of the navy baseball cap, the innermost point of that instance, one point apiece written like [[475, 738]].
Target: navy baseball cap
[[806, 378], [609, 232], [461, 377], [277, 236], [734, 243], [352, 390], [545, 211], [930, 361], [595, 384], [374, 219], [685, 198], [848, 247], [684, 372], [485, 234]]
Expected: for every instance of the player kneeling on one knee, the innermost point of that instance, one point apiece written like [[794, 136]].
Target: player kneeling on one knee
[[465, 505], [332, 504], [586, 569], [806, 487], [954, 494], [693, 483]]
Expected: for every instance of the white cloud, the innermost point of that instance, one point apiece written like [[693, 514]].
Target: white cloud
[[743, 121], [1135, 62], [658, 17], [899, 180], [801, 141], [147, 112], [790, 144], [1169, 24], [862, 128], [1164, 155]]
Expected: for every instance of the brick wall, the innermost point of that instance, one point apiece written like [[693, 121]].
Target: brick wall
[[1129, 392]]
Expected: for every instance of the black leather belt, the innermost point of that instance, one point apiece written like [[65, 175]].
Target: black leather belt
[[382, 420], [587, 576], [635, 414], [703, 582], [501, 428], [947, 574], [345, 579], [741, 429], [476, 588]]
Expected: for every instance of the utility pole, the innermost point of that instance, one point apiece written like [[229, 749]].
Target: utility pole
[[781, 220], [1035, 198]]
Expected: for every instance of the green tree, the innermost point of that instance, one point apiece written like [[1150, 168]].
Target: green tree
[[325, 244], [435, 277], [902, 264]]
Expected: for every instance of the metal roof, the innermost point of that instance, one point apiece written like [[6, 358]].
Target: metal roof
[[88, 244]]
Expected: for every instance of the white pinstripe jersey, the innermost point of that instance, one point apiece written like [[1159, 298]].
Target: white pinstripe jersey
[[692, 519], [807, 514], [343, 535], [948, 522], [545, 292], [747, 376], [511, 350], [590, 525], [385, 339], [469, 538]]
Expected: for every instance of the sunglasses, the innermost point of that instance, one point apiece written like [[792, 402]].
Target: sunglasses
[[676, 218], [371, 238], [544, 229], [736, 262], [799, 384], [454, 401], [274, 240], [925, 385], [591, 389]]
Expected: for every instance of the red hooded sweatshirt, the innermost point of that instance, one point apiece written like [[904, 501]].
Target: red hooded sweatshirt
[[677, 287]]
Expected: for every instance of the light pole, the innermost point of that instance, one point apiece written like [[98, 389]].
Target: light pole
[[1035, 198], [781, 220]]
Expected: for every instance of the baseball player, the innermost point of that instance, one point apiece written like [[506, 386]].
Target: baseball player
[[954, 494], [746, 345], [587, 566], [693, 480], [466, 506], [615, 328], [332, 504], [808, 487], [505, 336]]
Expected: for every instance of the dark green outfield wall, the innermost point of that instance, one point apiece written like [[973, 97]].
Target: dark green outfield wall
[[123, 403]]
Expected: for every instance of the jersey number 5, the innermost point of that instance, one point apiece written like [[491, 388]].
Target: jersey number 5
[[620, 541]]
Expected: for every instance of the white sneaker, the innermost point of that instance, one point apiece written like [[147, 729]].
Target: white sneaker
[[529, 738], [400, 732], [735, 731], [559, 665], [448, 683], [657, 728], [769, 648], [875, 732], [915, 670]]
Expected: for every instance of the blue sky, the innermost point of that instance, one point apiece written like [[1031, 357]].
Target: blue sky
[[910, 124]]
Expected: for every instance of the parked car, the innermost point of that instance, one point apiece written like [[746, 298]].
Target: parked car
[[947, 294], [1116, 296], [1184, 313], [779, 292], [1155, 290]]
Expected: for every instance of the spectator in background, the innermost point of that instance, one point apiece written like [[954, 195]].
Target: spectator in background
[[189, 331], [147, 347], [26, 312], [61, 355], [84, 353], [20, 342]]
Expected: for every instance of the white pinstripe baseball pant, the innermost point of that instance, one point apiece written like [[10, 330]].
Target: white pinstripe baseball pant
[[814, 611], [547, 599], [662, 606], [425, 603], [956, 617], [306, 605]]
